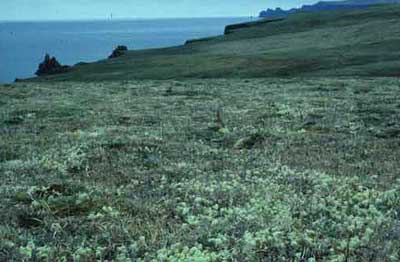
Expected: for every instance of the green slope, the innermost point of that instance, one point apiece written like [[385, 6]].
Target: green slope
[[358, 43]]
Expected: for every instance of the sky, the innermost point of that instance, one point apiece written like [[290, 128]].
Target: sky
[[102, 9]]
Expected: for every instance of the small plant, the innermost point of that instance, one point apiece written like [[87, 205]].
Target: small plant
[[218, 120]]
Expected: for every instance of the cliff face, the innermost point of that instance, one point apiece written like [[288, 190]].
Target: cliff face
[[325, 6]]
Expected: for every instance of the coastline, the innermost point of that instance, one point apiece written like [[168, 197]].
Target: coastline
[[68, 50]]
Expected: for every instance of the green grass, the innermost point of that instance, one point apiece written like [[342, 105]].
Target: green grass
[[341, 43], [143, 170]]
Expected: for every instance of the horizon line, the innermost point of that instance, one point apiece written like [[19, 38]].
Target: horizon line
[[120, 19]]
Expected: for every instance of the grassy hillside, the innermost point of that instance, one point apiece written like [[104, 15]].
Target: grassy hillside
[[363, 43], [288, 170]]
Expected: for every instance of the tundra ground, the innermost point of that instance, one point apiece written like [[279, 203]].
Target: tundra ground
[[201, 170]]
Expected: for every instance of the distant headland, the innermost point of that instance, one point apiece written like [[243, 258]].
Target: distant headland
[[324, 6]]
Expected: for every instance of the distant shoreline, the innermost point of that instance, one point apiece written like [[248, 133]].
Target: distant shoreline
[[126, 19]]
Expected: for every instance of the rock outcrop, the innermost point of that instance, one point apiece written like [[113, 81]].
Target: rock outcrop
[[51, 66], [119, 51]]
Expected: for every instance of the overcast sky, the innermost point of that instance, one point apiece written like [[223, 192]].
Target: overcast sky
[[102, 9]]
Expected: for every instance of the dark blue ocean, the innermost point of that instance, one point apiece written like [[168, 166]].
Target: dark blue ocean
[[23, 44]]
